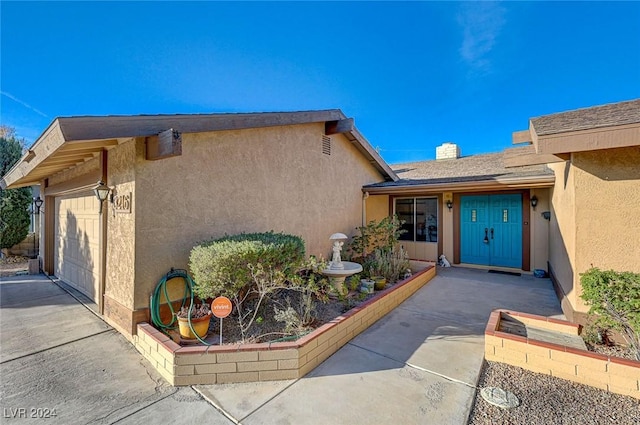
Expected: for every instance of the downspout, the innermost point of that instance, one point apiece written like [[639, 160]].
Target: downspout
[[104, 217], [365, 195]]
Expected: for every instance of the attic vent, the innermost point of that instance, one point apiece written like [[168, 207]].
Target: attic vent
[[326, 145]]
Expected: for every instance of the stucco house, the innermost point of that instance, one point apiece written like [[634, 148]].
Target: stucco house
[[565, 198], [179, 179]]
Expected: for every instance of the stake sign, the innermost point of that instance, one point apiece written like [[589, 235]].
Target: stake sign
[[221, 308]]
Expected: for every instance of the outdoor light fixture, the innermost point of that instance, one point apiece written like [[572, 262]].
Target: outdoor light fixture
[[534, 201], [449, 204], [102, 192], [38, 204], [546, 215]]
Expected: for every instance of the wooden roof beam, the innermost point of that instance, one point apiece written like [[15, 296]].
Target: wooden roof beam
[[165, 145], [338, 126], [523, 136]]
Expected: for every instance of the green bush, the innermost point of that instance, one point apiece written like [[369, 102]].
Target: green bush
[[376, 248], [382, 235], [614, 298], [224, 266], [14, 203]]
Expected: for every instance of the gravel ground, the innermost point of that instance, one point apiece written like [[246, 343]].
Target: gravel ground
[[546, 400], [11, 265]]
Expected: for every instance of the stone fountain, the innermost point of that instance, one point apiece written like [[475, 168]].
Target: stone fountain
[[339, 270]]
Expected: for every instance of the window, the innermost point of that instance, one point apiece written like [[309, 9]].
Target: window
[[420, 216]]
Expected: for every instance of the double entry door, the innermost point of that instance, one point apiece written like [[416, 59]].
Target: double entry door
[[491, 230]]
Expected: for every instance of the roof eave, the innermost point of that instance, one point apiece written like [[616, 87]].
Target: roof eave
[[528, 182], [78, 139], [610, 137], [371, 154]]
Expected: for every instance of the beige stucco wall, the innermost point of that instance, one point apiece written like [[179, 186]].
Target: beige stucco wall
[[447, 233], [121, 244], [607, 211], [377, 207], [596, 219], [539, 229], [562, 228], [244, 181]]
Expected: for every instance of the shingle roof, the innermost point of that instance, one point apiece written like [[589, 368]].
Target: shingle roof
[[582, 119], [483, 167]]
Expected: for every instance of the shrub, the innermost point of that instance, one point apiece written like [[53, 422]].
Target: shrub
[[376, 248], [382, 235], [615, 298], [223, 266], [14, 203]]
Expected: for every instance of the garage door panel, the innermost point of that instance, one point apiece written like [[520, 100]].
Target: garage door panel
[[77, 243]]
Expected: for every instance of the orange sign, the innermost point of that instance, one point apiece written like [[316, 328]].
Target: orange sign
[[221, 307]]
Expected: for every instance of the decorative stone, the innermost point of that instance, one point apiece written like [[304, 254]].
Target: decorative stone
[[499, 397]]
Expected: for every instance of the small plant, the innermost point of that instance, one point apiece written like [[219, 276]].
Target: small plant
[[353, 282], [614, 298], [199, 310]]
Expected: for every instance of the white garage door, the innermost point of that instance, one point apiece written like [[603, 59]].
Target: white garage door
[[77, 238]]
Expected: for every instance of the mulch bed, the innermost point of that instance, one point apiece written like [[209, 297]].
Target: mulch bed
[[268, 329]]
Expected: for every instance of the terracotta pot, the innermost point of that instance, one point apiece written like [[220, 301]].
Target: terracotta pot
[[200, 325], [380, 281]]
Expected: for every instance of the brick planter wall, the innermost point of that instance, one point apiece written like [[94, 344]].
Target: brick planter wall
[[613, 374], [268, 361]]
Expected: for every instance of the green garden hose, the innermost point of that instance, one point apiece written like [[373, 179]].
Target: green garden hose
[[161, 289]]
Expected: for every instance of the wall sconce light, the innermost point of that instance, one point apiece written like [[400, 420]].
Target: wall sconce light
[[449, 204], [534, 201], [546, 215], [37, 202], [102, 193]]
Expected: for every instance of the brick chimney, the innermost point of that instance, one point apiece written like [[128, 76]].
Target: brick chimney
[[447, 150]]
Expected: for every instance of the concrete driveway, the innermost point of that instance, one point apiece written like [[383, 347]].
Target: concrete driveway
[[417, 365]]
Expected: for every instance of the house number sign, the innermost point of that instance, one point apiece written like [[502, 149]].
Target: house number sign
[[122, 203]]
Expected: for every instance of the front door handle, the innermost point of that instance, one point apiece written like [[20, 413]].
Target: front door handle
[[486, 235], [492, 233]]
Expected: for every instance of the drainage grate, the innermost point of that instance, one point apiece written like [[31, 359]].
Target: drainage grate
[[326, 145]]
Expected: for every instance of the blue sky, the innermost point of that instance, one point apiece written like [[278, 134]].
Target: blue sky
[[413, 75]]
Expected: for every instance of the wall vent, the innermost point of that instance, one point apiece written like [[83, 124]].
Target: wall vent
[[326, 145]]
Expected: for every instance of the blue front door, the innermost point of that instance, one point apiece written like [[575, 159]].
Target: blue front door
[[491, 230]]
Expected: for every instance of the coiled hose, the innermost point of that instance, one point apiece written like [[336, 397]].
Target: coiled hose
[[161, 289]]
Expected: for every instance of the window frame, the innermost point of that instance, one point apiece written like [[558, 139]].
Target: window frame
[[415, 215]]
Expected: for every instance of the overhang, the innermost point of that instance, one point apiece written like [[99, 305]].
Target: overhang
[[471, 185], [70, 141], [553, 138]]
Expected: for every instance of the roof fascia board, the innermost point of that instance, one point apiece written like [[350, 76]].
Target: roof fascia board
[[498, 184], [50, 141], [115, 127], [526, 155], [374, 157], [591, 139], [533, 136]]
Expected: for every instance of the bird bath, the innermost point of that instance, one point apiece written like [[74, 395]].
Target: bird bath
[[339, 270]]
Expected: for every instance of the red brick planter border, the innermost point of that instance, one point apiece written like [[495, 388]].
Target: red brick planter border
[[269, 361], [609, 373]]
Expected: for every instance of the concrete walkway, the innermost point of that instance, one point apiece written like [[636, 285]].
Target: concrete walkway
[[417, 365]]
